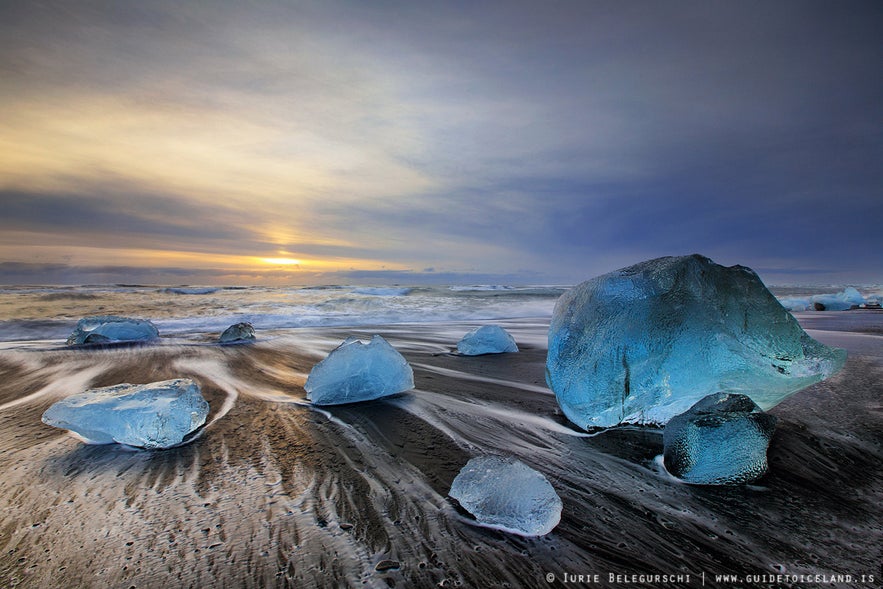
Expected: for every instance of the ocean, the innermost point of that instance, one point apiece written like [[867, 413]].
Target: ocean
[[29, 313], [187, 312], [273, 492]]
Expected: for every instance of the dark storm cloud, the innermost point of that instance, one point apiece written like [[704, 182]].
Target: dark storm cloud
[[749, 131]]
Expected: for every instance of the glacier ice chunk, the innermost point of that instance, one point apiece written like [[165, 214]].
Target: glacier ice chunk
[[355, 372], [505, 493], [238, 332], [107, 329], [849, 298], [642, 344], [153, 415], [487, 339], [720, 440]]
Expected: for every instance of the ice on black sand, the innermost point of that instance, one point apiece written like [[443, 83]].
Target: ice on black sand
[[111, 329], [505, 493], [720, 440], [487, 339], [154, 415], [238, 332], [642, 344], [355, 372]]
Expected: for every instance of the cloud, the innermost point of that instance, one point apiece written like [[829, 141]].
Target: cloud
[[797, 271], [489, 138], [121, 218], [50, 273]]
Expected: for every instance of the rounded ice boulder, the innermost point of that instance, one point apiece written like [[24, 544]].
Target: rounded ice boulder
[[487, 339], [642, 344], [505, 493], [720, 440], [154, 415], [238, 332], [355, 372], [106, 329]]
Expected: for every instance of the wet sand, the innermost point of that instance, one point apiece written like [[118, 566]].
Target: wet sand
[[274, 493]]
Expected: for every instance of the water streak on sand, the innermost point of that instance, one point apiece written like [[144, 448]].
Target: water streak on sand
[[61, 384], [458, 374], [431, 406], [216, 372]]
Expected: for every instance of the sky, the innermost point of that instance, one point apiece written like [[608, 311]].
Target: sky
[[413, 142]]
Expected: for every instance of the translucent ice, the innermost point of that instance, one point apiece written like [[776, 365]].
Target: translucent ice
[[642, 344], [154, 415], [238, 332], [507, 494], [110, 329], [359, 372], [487, 339], [849, 298], [720, 440]]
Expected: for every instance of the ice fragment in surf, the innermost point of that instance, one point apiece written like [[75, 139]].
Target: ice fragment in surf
[[154, 415], [487, 339], [238, 332], [850, 298], [720, 440], [359, 372], [642, 344], [111, 329], [505, 493]]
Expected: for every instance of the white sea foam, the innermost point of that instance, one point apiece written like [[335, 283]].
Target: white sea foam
[[66, 379], [191, 290], [382, 291], [49, 313]]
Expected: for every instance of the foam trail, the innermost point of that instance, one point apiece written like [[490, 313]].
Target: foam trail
[[484, 410], [60, 386], [474, 377], [217, 373]]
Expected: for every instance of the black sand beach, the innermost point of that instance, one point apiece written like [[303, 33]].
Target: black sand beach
[[274, 493]]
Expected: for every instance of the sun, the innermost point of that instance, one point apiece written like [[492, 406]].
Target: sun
[[281, 261]]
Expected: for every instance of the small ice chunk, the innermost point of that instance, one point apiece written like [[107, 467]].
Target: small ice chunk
[[795, 303], [642, 344], [487, 339], [720, 440], [111, 329], [505, 493], [849, 298], [154, 415], [238, 332], [355, 372]]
